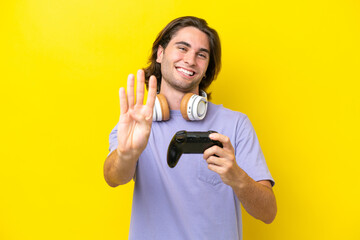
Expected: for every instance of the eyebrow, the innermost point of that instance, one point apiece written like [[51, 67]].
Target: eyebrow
[[188, 45]]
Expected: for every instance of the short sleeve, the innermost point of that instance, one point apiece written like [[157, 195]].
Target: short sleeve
[[113, 142], [248, 153]]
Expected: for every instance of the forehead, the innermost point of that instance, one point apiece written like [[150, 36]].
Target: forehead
[[195, 37]]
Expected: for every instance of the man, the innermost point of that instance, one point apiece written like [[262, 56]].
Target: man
[[200, 198]]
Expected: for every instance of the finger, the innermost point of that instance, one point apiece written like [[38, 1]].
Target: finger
[[140, 87], [152, 92], [123, 101], [223, 139], [212, 151], [215, 168], [130, 90], [214, 160]]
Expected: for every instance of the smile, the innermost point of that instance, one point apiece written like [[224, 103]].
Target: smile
[[186, 72]]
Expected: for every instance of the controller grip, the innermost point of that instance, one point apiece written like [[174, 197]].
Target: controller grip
[[173, 155]]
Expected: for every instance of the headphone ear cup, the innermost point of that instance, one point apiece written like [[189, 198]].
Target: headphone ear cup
[[184, 105], [165, 112]]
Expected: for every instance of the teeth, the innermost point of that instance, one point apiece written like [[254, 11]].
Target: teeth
[[186, 71]]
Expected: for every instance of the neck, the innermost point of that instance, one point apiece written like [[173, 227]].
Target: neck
[[174, 96]]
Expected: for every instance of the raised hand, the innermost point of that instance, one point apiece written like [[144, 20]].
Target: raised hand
[[135, 118]]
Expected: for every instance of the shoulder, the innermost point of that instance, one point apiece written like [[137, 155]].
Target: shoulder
[[225, 113], [235, 120]]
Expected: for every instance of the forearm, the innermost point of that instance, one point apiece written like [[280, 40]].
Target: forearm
[[119, 169], [257, 199]]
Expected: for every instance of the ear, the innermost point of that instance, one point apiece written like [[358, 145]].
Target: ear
[[160, 52]]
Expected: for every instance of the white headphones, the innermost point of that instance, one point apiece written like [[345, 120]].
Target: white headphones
[[192, 107]]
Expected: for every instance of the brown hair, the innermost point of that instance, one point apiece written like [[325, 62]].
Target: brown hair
[[166, 35]]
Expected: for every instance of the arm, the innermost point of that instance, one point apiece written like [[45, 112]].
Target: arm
[[257, 198], [133, 130], [119, 169]]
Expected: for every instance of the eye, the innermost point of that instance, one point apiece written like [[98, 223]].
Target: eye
[[182, 49], [202, 55]]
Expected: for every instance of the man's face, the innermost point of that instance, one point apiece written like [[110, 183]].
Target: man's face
[[185, 59]]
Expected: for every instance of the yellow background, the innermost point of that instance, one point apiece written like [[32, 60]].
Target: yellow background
[[291, 66]]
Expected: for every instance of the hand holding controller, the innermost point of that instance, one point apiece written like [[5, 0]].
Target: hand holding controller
[[189, 142]]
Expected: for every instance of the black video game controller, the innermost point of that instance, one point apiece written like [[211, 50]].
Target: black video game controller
[[189, 142]]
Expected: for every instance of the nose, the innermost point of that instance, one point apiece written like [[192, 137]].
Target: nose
[[189, 58]]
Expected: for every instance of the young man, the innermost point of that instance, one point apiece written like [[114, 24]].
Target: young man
[[200, 198]]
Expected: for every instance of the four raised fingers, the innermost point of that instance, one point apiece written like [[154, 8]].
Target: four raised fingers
[[127, 98]]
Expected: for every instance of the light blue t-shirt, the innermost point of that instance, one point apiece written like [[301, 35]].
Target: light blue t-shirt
[[190, 201]]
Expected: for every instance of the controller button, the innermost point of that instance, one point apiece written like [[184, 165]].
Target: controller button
[[180, 133], [180, 139], [180, 136]]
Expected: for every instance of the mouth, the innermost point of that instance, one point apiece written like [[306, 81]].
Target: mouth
[[186, 72]]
